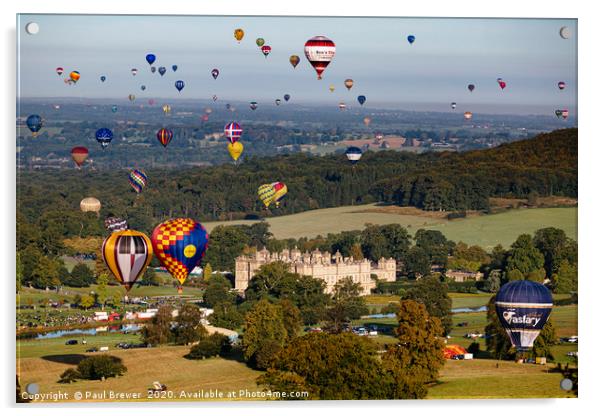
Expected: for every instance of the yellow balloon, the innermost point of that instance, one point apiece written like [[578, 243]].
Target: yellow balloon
[[266, 193], [331, 88], [235, 150], [239, 34]]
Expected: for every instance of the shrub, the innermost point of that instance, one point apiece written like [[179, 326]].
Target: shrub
[[100, 367], [70, 375], [265, 356], [211, 346]]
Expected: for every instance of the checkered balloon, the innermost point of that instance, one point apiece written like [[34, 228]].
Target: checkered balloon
[[180, 244]]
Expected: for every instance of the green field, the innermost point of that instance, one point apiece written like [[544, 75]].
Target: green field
[[486, 230]]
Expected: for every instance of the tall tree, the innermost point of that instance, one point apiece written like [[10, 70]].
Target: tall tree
[[418, 357], [158, 331], [188, 327], [263, 330], [218, 291], [524, 256], [347, 304], [432, 293]]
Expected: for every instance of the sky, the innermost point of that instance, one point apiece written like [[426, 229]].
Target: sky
[[448, 54]]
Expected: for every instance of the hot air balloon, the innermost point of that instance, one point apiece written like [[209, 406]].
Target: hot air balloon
[[565, 33], [75, 76], [143, 87], [90, 204], [342, 106], [174, 68], [151, 102], [348, 83], [137, 179], [162, 70], [453, 105], [114, 224], [523, 307], [266, 194], [103, 78], [166, 108], [153, 69], [367, 121], [214, 97], [233, 131], [467, 115], [565, 114], [114, 108], [127, 254], [411, 39], [471, 87], [215, 73], [131, 97], [34, 123], [228, 106], [278, 101], [502, 84], [56, 106], [59, 71], [253, 105], [561, 85], [287, 97], [179, 85], [104, 137], [361, 99], [79, 154], [150, 58], [354, 154], [266, 50], [239, 34], [558, 113], [319, 51], [280, 190], [204, 117], [260, 42], [235, 149], [164, 136], [208, 110], [134, 71], [331, 88], [179, 244], [294, 60]]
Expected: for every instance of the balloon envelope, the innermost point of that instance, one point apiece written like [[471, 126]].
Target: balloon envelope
[[233, 131], [361, 99], [164, 136], [79, 154], [75, 76], [103, 78], [561, 85], [34, 123], [180, 244], [150, 58], [215, 73], [354, 154], [162, 70], [137, 179], [235, 149], [266, 50], [470, 87], [104, 136], [239, 34], [90, 204], [260, 42], [294, 60], [411, 39], [348, 83], [287, 97], [523, 307], [266, 194], [179, 85], [319, 51], [127, 254]]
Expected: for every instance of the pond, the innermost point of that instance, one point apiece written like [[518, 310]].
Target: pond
[[469, 310], [124, 329]]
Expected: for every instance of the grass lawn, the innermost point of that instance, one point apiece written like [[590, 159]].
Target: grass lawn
[[492, 379], [486, 230], [166, 365]]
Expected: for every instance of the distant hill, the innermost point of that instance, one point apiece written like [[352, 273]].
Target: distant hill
[[544, 165]]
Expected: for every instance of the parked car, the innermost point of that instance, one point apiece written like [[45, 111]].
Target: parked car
[[93, 349], [103, 349], [71, 342], [458, 357]]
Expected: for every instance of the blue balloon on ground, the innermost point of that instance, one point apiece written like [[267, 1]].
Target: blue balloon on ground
[[523, 307]]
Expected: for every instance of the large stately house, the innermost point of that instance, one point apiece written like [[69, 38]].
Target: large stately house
[[332, 268]]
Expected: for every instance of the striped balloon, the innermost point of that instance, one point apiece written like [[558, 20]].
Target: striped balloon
[[266, 194], [164, 136], [319, 51], [280, 190], [233, 131], [137, 179], [127, 254]]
